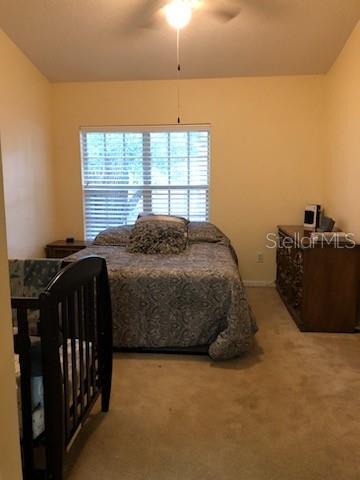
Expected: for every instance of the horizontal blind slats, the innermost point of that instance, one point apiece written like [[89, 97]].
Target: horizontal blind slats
[[125, 173]]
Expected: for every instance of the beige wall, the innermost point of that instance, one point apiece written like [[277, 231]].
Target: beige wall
[[26, 142], [9, 438], [267, 148], [277, 144], [26, 137], [343, 155]]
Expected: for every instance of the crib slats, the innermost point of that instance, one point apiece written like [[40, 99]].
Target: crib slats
[[24, 346], [92, 326], [87, 337], [73, 376], [65, 333], [80, 315], [104, 338], [53, 387], [71, 303]]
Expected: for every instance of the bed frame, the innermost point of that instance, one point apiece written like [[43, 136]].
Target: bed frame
[[75, 310]]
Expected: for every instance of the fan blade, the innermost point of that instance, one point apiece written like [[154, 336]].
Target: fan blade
[[145, 15], [228, 11]]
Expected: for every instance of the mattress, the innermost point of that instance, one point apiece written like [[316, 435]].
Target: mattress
[[184, 300]]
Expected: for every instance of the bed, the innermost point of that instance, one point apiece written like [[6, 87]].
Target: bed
[[63, 355], [186, 300]]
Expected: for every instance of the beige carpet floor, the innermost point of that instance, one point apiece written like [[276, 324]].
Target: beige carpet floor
[[290, 410]]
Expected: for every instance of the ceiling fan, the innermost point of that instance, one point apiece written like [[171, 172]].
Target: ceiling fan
[[178, 12]]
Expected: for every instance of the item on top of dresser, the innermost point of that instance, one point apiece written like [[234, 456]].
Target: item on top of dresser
[[327, 224], [312, 217]]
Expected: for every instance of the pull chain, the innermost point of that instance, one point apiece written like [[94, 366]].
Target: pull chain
[[178, 72]]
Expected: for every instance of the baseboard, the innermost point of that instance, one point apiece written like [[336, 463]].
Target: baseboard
[[259, 283]]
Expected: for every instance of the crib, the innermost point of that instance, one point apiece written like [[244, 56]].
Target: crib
[[63, 340]]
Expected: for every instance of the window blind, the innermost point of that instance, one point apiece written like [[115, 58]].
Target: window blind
[[126, 172]]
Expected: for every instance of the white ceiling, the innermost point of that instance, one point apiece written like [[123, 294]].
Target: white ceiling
[[86, 40]]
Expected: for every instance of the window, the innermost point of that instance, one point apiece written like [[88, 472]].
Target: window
[[159, 170]]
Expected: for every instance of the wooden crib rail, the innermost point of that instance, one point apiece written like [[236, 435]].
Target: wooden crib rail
[[22, 346], [75, 329], [76, 302]]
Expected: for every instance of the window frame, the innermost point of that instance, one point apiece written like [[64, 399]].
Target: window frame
[[145, 129]]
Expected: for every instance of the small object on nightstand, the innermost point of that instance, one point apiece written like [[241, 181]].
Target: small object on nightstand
[[64, 248], [70, 240]]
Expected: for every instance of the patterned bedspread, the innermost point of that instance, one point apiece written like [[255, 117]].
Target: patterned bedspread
[[188, 299]]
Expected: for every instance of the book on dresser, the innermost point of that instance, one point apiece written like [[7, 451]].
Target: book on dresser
[[318, 281]]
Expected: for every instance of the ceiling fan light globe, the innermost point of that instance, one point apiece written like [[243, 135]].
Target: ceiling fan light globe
[[178, 13]]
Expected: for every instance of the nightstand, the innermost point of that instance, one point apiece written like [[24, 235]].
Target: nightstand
[[62, 248]]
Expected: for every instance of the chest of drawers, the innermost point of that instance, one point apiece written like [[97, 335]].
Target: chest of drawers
[[318, 283]]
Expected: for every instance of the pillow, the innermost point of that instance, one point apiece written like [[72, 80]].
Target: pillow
[[117, 236], [206, 232], [158, 237], [152, 217]]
